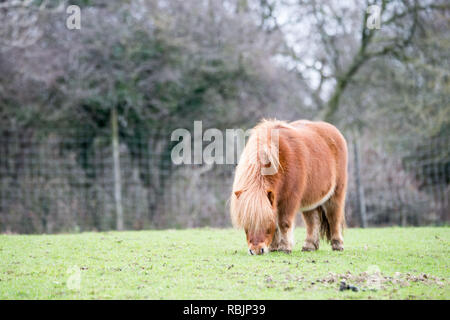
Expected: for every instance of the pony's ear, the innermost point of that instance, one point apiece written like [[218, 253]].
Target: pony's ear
[[271, 196], [238, 193]]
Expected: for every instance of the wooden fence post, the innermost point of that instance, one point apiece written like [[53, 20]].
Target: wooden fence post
[[361, 201], [116, 162]]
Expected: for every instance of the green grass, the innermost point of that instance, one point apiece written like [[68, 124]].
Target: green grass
[[413, 263]]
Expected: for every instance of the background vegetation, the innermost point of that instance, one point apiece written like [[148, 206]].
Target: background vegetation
[[163, 64]]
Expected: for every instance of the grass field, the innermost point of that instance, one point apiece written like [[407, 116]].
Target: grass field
[[389, 263]]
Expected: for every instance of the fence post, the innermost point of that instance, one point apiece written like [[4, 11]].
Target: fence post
[[116, 162], [360, 198]]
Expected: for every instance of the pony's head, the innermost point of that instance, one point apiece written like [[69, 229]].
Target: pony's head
[[253, 201], [255, 212]]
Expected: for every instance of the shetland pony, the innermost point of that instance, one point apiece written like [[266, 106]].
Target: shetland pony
[[286, 168]]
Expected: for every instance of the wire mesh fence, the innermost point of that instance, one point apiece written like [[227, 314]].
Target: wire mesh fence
[[403, 181], [63, 181]]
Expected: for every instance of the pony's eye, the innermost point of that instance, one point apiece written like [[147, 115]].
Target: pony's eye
[[271, 197]]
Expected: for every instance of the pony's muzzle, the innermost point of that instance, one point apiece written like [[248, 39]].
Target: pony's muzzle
[[258, 249]]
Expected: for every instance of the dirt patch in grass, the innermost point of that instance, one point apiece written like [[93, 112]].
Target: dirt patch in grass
[[378, 281]]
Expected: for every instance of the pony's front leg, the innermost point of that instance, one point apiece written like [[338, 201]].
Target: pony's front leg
[[276, 241], [284, 238]]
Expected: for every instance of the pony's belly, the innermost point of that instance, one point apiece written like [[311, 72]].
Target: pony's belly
[[316, 204]]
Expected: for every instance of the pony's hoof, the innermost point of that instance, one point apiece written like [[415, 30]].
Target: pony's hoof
[[337, 246], [310, 246], [288, 251]]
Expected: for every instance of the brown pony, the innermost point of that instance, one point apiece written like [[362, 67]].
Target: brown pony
[[286, 168]]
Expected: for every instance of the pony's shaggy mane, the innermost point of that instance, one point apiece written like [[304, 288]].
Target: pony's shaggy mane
[[252, 209]]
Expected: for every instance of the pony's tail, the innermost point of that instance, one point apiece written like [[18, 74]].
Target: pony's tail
[[325, 231]]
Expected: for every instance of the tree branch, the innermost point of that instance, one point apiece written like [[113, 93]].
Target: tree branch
[[363, 56]]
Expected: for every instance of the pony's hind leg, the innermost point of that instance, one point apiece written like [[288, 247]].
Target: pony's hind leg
[[334, 211], [312, 222]]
